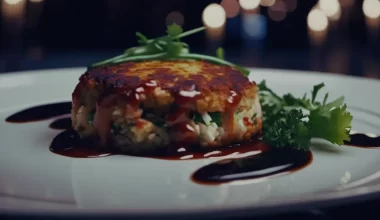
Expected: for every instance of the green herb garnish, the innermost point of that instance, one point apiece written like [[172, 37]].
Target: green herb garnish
[[167, 47], [160, 124], [198, 118], [90, 117], [286, 123], [220, 53], [216, 117], [115, 129], [156, 120]]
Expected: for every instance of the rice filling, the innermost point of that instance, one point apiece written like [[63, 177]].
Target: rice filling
[[130, 127]]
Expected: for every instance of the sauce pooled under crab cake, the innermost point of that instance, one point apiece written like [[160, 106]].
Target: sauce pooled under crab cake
[[142, 106]]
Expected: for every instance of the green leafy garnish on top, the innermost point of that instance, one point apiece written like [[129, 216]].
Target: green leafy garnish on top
[[174, 30], [167, 47], [220, 53], [289, 121]]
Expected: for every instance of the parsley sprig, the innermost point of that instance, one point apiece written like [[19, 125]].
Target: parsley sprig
[[167, 47], [289, 121]]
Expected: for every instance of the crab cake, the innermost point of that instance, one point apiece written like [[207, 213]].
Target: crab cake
[[143, 106]]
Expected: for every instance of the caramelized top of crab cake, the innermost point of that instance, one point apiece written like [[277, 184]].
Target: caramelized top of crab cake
[[200, 86]]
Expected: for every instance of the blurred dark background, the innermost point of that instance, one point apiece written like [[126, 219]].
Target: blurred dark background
[[338, 36]]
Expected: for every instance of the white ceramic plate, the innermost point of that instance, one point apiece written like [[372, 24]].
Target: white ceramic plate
[[34, 180]]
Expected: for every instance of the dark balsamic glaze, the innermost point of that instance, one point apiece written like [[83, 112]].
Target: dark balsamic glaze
[[265, 164], [363, 140], [41, 112], [61, 124], [68, 143]]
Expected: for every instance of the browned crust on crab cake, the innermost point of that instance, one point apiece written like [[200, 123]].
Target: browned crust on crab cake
[[215, 88], [153, 104]]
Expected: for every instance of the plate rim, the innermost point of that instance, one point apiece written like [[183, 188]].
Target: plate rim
[[304, 202], [323, 200]]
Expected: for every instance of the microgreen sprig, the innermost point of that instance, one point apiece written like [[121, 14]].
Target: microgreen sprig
[[167, 47]]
